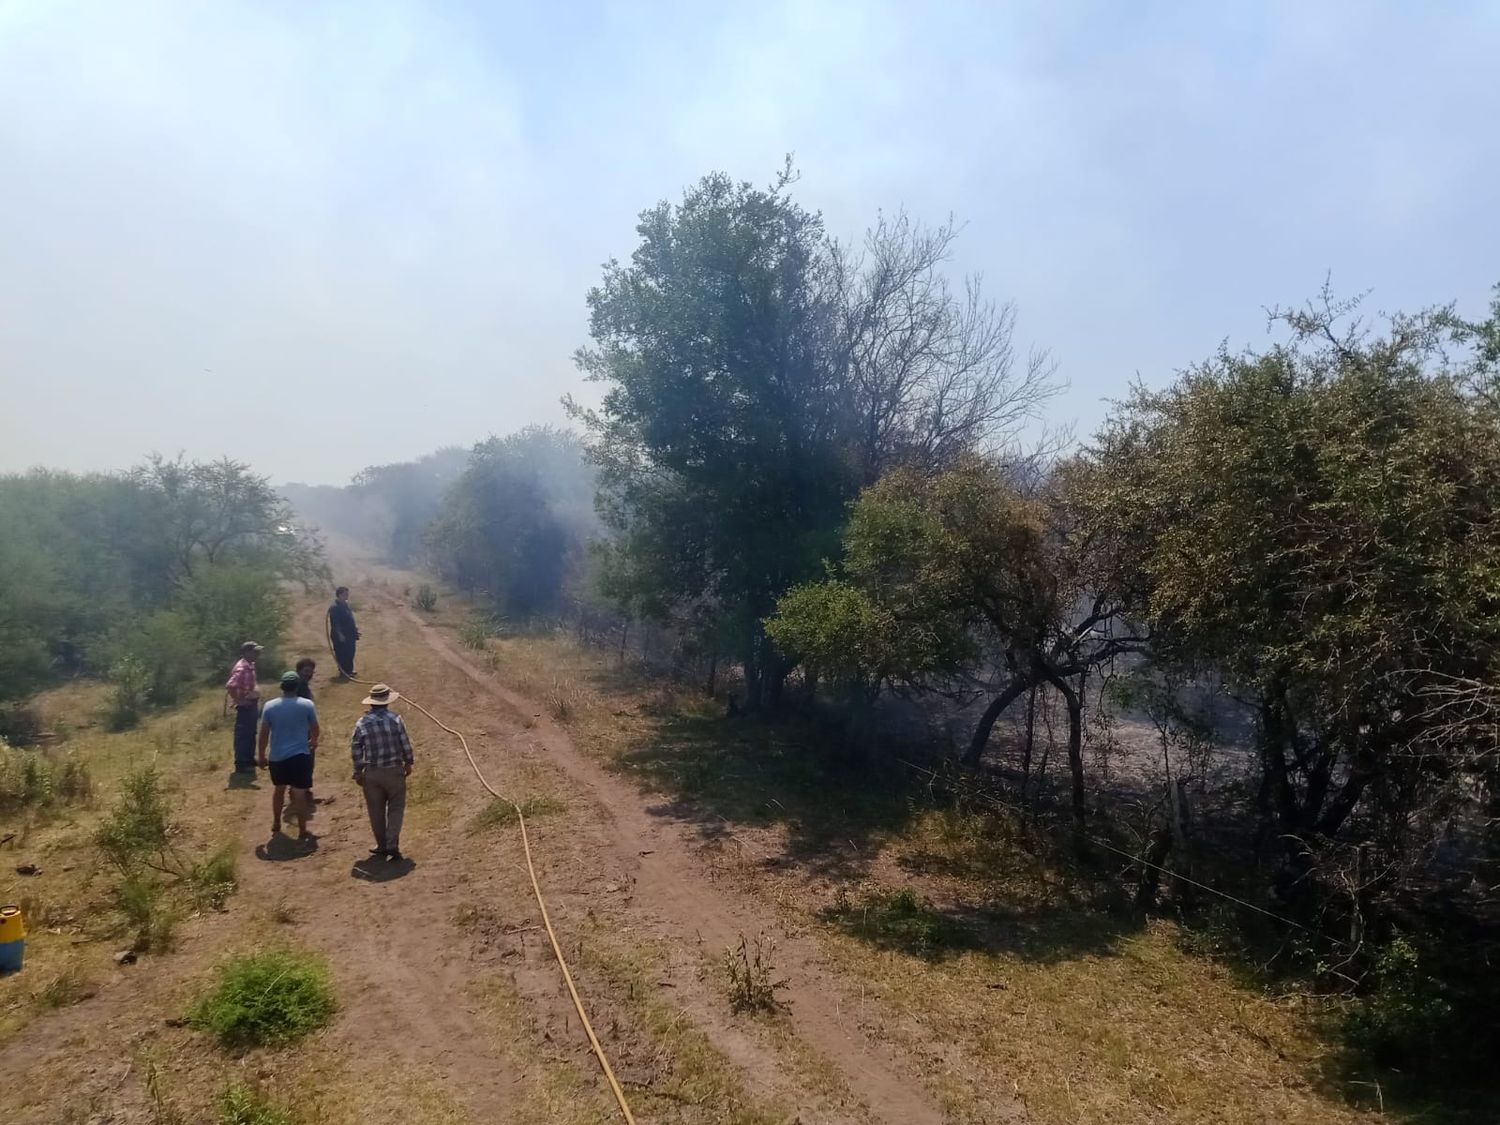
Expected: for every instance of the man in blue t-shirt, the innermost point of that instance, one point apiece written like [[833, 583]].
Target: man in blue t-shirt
[[289, 727]]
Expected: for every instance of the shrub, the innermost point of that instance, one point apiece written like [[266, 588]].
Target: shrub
[[149, 911], [427, 598], [474, 633], [266, 999], [138, 828], [562, 700], [224, 606], [130, 696], [213, 879], [242, 1105], [1403, 1022], [33, 778], [20, 725], [71, 780], [749, 979], [164, 645]]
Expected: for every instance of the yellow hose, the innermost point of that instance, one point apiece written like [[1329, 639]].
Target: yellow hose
[[541, 902]]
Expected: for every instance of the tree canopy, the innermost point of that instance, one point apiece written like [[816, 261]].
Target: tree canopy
[[758, 374]]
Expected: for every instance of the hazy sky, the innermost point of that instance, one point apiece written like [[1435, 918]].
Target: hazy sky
[[317, 236]]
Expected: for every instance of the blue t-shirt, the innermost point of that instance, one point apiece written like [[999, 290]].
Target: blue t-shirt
[[290, 720]]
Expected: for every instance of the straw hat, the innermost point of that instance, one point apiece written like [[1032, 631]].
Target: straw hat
[[380, 695]]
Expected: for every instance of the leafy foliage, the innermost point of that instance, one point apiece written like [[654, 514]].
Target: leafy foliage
[[899, 919], [927, 559], [244, 1105], [266, 1000], [1320, 524], [758, 375], [157, 574], [39, 779]]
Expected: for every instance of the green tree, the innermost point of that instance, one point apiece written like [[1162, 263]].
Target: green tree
[[96, 564], [758, 375], [1319, 523], [948, 577]]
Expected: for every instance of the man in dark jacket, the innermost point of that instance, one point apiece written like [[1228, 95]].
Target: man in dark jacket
[[342, 632]]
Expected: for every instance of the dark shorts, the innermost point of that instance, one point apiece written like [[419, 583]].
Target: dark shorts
[[295, 771]]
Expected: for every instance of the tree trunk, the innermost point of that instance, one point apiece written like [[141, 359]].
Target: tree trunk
[[1075, 742], [624, 636], [1151, 863], [981, 737], [754, 681], [713, 675], [1030, 741]]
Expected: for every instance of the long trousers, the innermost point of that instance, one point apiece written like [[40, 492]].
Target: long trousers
[[385, 798], [246, 717], [343, 656]]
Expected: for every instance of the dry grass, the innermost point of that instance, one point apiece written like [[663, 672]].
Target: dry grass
[[973, 940], [498, 813], [71, 913], [698, 1073], [557, 1088]]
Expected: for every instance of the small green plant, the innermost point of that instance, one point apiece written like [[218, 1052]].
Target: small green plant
[[474, 633], [749, 977], [148, 910], [244, 1105], [37, 779], [213, 879], [562, 700], [1406, 1015], [138, 829], [266, 1000], [130, 696], [426, 598], [285, 912], [499, 813]]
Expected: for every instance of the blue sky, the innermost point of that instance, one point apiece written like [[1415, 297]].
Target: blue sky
[[319, 236]]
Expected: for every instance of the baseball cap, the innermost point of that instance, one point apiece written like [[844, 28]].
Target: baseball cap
[[290, 679]]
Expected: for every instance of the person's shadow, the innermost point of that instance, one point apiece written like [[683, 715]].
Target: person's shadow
[[378, 869], [239, 779], [279, 848]]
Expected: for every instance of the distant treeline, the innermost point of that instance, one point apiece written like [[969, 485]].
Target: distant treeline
[[510, 520], [151, 578]]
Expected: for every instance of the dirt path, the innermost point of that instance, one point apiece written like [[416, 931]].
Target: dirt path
[[686, 906]]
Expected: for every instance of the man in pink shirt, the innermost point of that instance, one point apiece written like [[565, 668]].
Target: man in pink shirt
[[244, 693]]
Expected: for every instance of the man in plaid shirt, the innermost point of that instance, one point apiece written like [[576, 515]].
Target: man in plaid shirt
[[244, 694], [382, 762]]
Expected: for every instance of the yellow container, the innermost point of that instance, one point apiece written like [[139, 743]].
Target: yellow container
[[12, 939]]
